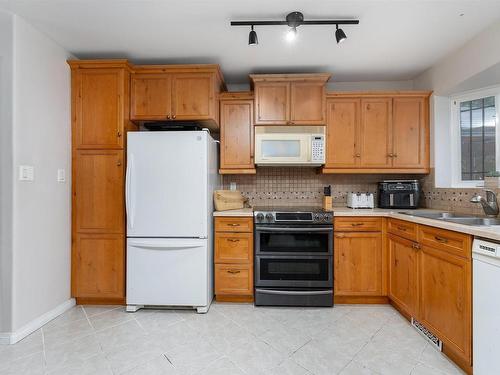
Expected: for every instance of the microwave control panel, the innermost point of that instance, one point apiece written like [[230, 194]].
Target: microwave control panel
[[318, 148]]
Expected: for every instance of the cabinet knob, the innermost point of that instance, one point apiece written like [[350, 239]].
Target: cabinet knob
[[168, 117], [174, 116], [358, 155], [395, 155], [390, 155], [118, 133], [289, 123], [119, 163]]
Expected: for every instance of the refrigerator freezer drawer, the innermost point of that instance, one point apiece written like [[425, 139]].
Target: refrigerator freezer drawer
[[168, 272]]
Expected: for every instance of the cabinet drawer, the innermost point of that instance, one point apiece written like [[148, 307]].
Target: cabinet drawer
[[358, 224], [453, 242], [234, 279], [403, 229], [233, 247], [234, 224]]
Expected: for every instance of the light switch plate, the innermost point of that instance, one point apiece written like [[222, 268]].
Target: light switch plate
[[26, 173], [232, 186], [61, 175]]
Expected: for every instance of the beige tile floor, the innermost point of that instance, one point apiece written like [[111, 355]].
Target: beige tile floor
[[232, 339]]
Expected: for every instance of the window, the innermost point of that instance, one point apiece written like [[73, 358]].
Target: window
[[475, 124]]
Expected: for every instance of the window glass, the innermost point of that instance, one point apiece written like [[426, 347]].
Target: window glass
[[478, 138]]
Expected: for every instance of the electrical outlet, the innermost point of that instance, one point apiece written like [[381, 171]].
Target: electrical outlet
[[26, 173], [232, 186], [61, 175]]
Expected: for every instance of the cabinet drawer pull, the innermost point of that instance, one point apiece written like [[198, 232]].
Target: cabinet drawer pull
[[440, 239], [358, 155], [233, 240], [233, 271], [401, 228], [339, 236], [415, 246], [233, 224], [118, 134], [356, 224]]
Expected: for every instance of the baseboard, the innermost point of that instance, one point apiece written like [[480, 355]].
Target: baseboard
[[353, 300], [27, 329]]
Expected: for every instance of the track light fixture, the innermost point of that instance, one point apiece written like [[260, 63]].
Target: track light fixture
[[252, 38], [340, 35], [294, 20]]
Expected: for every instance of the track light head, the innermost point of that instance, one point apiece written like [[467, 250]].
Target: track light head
[[294, 19], [252, 38], [340, 35]]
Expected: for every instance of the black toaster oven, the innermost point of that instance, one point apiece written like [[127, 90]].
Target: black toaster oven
[[398, 194]]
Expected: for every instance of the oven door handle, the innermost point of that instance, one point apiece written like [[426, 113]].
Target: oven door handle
[[270, 229], [294, 292]]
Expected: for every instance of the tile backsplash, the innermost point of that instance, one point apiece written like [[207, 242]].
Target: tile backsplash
[[294, 186]]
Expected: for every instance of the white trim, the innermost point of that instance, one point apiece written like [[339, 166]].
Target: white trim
[[456, 167], [37, 323]]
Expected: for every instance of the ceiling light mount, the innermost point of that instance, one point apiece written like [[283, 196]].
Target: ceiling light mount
[[294, 20]]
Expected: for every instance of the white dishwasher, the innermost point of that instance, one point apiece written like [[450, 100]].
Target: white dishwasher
[[486, 307]]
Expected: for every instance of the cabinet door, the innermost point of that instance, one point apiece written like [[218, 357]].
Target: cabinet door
[[150, 97], [98, 191], [446, 306], [307, 103], [193, 96], [272, 103], [410, 133], [237, 134], [375, 133], [358, 264], [98, 266], [98, 102], [342, 132], [403, 274]]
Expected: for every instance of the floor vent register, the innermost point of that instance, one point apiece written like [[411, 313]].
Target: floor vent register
[[437, 343]]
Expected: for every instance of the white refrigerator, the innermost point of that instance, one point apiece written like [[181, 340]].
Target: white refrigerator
[[170, 181]]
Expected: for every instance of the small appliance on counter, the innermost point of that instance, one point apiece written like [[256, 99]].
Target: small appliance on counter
[[398, 194], [327, 198], [360, 200]]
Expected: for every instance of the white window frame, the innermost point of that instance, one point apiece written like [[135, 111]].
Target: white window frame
[[456, 153]]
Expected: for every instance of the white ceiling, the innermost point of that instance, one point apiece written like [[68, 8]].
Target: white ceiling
[[395, 40]]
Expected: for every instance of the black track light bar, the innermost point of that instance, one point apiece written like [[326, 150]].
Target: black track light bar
[[313, 22]]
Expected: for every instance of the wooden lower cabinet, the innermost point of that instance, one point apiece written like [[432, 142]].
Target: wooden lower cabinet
[[234, 259], [403, 273], [358, 264], [446, 299], [98, 267]]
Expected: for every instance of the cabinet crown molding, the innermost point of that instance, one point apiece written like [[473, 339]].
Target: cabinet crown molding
[[305, 77], [378, 94], [93, 64]]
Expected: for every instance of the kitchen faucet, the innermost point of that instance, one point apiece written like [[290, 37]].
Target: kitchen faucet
[[490, 204]]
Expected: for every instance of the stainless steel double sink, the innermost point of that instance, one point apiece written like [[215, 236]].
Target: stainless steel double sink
[[456, 218]]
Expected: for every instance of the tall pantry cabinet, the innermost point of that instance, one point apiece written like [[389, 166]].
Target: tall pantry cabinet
[[100, 121]]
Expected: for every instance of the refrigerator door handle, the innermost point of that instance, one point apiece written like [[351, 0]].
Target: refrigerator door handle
[[128, 191], [166, 246]]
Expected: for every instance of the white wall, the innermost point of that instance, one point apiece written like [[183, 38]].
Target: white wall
[[42, 220], [6, 149]]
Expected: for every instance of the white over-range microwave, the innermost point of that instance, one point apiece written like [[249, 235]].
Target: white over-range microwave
[[290, 145]]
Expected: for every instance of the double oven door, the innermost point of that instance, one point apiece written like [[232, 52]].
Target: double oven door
[[293, 256]]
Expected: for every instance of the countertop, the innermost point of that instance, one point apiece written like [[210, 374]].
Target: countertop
[[492, 233], [239, 212]]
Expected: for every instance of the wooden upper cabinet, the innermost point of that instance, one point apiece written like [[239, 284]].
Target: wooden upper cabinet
[[403, 274], [151, 97], [307, 103], [99, 102], [98, 190], [177, 92], [410, 133], [358, 264], [342, 132], [375, 133], [272, 102], [446, 298], [193, 96], [236, 137], [290, 99]]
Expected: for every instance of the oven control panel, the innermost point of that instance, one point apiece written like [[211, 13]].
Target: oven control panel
[[276, 217]]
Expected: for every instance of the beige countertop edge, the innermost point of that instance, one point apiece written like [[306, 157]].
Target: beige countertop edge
[[231, 213], [492, 233]]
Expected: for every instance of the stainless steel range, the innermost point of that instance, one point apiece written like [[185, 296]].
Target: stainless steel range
[[293, 257]]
